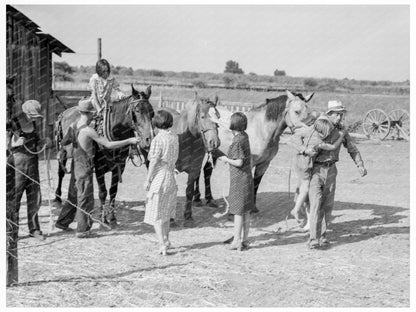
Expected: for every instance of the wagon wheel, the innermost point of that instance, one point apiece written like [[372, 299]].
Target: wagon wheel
[[376, 124], [400, 122]]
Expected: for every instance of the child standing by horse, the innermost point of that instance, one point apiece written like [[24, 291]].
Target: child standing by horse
[[241, 195], [160, 182], [308, 141]]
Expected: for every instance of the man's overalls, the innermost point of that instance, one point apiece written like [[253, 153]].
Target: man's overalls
[[83, 174]]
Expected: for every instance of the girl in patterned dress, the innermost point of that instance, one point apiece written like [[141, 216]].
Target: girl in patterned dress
[[101, 86], [160, 182], [241, 195]]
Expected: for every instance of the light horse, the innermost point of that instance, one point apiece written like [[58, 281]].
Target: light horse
[[265, 124], [197, 135], [125, 118]]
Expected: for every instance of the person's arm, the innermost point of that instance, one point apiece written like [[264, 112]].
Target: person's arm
[[233, 162], [331, 147], [94, 96], [297, 142], [116, 87], [355, 154], [109, 144], [154, 157]]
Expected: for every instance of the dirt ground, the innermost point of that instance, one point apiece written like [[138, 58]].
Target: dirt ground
[[366, 265]]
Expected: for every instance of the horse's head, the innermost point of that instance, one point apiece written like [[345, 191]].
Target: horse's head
[[142, 114], [297, 112], [199, 121]]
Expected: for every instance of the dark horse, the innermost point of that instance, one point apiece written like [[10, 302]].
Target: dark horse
[[125, 118], [265, 124], [197, 135]]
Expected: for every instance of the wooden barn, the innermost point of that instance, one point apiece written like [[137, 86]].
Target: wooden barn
[[29, 62]]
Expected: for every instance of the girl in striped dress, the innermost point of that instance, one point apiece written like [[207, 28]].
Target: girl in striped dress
[[160, 182]]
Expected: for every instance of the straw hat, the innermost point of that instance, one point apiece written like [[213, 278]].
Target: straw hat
[[335, 106], [32, 108], [85, 105]]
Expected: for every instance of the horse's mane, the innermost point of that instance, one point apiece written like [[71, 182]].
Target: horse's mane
[[274, 107]]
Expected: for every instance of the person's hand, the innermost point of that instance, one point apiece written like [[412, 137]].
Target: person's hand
[[223, 158], [134, 140], [362, 170], [310, 152]]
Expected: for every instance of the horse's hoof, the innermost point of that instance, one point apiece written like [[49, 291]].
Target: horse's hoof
[[198, 203], [189, 223], [254, 210], [211, 203], [113, 224], [173, 223]]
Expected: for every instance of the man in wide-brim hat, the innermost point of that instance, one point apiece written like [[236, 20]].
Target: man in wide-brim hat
[[324, 173]]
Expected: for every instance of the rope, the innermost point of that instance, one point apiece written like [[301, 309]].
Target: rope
[[35, 153]]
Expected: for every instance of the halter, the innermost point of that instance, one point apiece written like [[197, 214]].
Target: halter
[[200, 126]]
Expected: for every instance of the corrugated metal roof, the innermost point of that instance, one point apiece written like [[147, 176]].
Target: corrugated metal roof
[[56, 46]]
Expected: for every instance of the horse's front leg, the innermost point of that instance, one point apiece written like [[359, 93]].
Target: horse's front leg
[[102, 194], [258, 175], [190, 190], [115, 178], [61, 175]]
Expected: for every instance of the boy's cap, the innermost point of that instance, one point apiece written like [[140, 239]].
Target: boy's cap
[[32, 108]]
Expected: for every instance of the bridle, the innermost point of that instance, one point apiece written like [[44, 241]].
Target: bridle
[[203, 130]]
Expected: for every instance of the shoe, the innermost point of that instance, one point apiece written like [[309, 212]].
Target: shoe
[[83, 234], [163, 250], [245, 244], [236, 245], [313, 244], [323, 242], [211, 203], [61, 227], [254, 210], [229, 240], [38, 235]]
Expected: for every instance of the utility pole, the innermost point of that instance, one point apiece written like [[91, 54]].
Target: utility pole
[[99, 48]]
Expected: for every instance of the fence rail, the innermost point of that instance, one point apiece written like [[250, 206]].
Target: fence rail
[[180, 104]]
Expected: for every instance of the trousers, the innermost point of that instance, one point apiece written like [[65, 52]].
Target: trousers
[[321, 197], [29, 166]]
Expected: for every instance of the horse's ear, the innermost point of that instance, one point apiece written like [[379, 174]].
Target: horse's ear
[[216, 100], [134, 92], [290, 95], [196, 95], [148, 91], [309, 97]]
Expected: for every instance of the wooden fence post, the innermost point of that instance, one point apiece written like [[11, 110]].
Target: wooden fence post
[[160, 99], [12, 228]]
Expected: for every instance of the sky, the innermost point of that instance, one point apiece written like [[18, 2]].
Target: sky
[[364, 42]]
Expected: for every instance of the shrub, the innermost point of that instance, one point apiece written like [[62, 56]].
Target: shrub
[[199, 84], [310, 83]]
